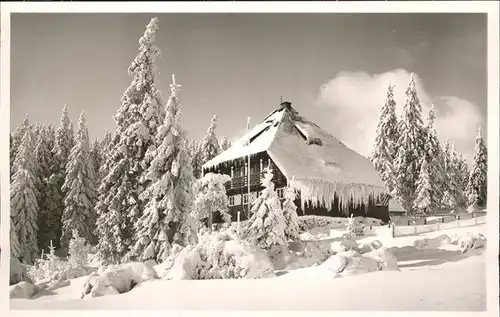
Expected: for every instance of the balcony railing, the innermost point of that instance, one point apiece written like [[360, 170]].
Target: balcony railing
[[255, 180]]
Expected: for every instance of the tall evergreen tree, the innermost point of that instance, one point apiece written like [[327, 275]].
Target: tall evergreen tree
[[449, 200], [15, 249], [138, 119], [96, 158], [167, 218], [80, 189], [47, 192], [462, 175], [63, 143], [477, 188], [425, 192], [434, 159], [210, 146], [197, 160], [411, 145], [17, 138], [384, 149], [226, 144], [23, 204]]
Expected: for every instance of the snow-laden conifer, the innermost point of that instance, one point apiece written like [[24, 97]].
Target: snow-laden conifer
[[63, 143], [266, 226], [433, 156], [425, 191], [210, 146], [47, 192], [17, 138], [167, 217], [197, 160], [23, 204], [79, 186], [411, 145], [462, 175], [211, 199], [449, 200], [225, 144], [138, 119], [478, 179], [15, 249], [384, 149], [290, 215]]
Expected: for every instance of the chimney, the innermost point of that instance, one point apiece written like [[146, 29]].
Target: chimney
[[286, 104]]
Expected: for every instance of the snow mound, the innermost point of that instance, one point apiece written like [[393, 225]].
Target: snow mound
[[432, 243], [281, 257], [117, 279], [369, 246], [18, 272], [23, 289], [385, 258], [471, 241], [358, 264]]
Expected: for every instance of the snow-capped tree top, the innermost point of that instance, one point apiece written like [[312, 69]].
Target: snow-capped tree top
[[82, 132], [479, 133], [267, 180], [24, 154], [431, 117]]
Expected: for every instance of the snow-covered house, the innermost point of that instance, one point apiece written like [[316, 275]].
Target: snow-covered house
[[331, 179]]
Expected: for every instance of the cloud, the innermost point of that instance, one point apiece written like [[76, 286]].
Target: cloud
[[356, 99]]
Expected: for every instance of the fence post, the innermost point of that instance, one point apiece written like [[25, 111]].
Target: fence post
[[414, 227], [393, 230], [458, 220]]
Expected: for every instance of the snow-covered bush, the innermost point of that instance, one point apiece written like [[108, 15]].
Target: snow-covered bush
[[47, 267], [220, 254], [266, 226], [78, 251], [211, 198]]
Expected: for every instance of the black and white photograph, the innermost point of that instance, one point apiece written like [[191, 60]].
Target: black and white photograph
[[250, 161]]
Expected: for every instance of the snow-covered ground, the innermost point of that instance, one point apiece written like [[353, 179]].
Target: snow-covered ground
[[433, 278]]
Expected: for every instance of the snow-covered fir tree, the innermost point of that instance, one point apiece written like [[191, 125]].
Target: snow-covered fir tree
[[80, 189], [47, 192], [167, 217], [434, 159], [78, 250], [63, 143], [138, 119], [462, 177], [15, 249], [290, 215], [384, 149], [449, 200], [17, 138], [197, 159], [266, 226], [477, 185], [225, 144], [425, 192], [411, 146], [96, 159], [210, 146], [23, 204], [211, 199]]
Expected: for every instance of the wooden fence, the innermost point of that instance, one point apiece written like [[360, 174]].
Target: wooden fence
[[415, 229]]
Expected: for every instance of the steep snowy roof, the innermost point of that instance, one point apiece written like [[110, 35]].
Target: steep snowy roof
[[319, 164]]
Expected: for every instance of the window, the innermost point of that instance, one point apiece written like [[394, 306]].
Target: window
[[281, 192], [231, 201]]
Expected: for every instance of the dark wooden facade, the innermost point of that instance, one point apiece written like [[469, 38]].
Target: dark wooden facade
[[237, 190]]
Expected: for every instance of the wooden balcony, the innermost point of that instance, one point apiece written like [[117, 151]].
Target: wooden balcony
[[255, 180]]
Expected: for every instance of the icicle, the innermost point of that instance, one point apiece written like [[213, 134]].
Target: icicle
[[322, 193]]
